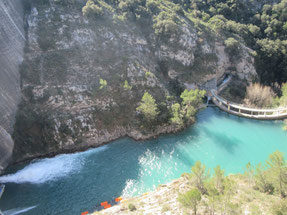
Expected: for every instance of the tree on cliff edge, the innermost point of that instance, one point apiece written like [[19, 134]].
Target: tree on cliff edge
[[190, 199], [191, 100], [148, 107]]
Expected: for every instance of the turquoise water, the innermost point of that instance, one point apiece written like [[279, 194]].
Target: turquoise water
[[70, 184]]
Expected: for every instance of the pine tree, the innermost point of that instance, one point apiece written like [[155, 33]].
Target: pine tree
[[190, 199], [199, 175], [278, 171], [219, 178], [148, 107]]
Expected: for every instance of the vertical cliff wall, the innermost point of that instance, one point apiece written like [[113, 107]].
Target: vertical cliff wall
[[12, 41]]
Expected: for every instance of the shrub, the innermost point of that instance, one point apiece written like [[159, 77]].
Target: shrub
[[133, 9], [91, 9], [259, 96], [103, 83], [280, 208], [232, 46], [148, 74], [261, 179], [153, 6], [278, 172], [283, 98], [165, 25], [198, 175], [127, 86], [190, 199], [191, 99], [132, 207]]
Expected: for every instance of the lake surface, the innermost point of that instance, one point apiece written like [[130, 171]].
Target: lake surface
[[73, 183]]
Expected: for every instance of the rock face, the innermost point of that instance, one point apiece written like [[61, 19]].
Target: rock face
[[11, 54], [64, 105]]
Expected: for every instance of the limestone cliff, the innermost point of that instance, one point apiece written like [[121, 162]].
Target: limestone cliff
[[12, 41], [65, 108]]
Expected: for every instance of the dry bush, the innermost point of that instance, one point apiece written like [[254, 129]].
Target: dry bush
[[259, 96]]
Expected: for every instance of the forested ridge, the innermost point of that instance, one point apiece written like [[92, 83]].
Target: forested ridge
[[261, 24]]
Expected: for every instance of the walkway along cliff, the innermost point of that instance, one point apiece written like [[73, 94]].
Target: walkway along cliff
[[240, 110]]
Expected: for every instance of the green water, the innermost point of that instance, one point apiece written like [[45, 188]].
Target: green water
[[70, 184]]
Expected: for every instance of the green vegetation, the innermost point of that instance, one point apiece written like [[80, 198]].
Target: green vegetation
[[177, 115], [283, 98], [191, 100], [148, 107], [184, 112], [91, 9], [280, 208], [190, 199], [232, 46], [277, 167], [164, 24], [218, 190], [127, 86], [219, 179], [103, 83], [180, 113], [199, 175], [148, 74], [261, 25]]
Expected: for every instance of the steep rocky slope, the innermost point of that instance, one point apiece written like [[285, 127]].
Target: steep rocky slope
[[12, 41], [164, 200], [65, 108]]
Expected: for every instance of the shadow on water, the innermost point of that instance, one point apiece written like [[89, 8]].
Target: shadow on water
[[221, 139], [222, 114], [209, 113], [186, 159], [205, 115]]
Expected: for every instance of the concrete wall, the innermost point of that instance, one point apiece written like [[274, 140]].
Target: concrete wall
[[12, 41]]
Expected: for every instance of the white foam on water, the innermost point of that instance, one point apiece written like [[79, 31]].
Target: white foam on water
[[49, 169], [16, 211], [150, 164], [130, 188]]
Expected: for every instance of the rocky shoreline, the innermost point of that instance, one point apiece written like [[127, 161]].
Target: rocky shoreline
[[164, 200], [108, 138]]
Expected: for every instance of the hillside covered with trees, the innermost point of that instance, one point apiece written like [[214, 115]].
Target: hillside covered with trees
[[261, 24]]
